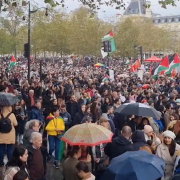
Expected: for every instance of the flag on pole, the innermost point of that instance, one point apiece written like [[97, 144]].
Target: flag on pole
[[150, 70], [174, 62], [12, 63], [137, 64], [173, 73], [163, 66], [108, 37]]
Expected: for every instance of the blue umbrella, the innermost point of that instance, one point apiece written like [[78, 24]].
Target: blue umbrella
[[135, 165]]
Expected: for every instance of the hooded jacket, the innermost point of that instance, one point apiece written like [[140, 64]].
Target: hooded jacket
[[54, 123], [117, 147], [138, 140]]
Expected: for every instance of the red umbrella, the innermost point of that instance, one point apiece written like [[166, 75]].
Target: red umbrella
[[153, 59]]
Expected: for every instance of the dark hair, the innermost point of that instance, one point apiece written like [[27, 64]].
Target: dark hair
[[20, 175], [15, 161], [82, 166], [109, 107], [36, 101], [149, 142], [63, 106], [54, 109], [116, 100], [168, 105], [172, 147], [73, 150], [143, 119]]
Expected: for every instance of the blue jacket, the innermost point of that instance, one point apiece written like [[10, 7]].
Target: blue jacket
[[67, 119], [36, 113]]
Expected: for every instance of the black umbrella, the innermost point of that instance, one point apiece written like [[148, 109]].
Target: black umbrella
[[138, 109], [8, 99]]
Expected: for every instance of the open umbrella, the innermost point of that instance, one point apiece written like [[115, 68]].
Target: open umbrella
[[153, 59], [138, 109], [87, 134], [99, 65], [135, 165], [8, 99]]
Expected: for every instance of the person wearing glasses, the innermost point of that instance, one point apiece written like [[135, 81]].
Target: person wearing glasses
[[31, 126]]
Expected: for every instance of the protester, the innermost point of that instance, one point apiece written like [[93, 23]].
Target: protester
[[36, 158], [167, 151], [17, 163], [84, 172], [69, 165], [54, 129], [31, 126], [7, 133], [119, 145]]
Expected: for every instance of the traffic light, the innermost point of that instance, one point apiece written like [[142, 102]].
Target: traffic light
[[26, 50], [107, 46], [139, 50]]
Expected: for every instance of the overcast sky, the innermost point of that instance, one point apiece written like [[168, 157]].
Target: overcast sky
[[110, 11]]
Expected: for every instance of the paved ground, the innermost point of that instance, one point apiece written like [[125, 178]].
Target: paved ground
[[53, 173]]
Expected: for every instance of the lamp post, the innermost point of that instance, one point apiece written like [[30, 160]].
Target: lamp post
[[29, 36]]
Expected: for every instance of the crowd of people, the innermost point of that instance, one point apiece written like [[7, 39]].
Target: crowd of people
[[64, 96]]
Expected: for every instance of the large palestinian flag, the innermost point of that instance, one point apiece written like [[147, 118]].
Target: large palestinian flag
[[12, 63], [174, 62], [109, 37], [164, 64]]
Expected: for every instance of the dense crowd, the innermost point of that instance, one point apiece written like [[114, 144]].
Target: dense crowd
[[63, 96]]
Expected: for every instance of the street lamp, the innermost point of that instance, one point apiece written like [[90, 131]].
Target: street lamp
[[29, 35]]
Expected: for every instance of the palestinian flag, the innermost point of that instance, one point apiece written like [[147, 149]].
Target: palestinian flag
[[12, 63], [174, 62], [162, 66], [109, 37]]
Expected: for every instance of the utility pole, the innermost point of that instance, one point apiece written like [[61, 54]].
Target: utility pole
[[29, 41]]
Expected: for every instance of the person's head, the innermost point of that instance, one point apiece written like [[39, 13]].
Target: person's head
[[117, 101], [145, 121], [110, 110], [73, 99], [126, 132], [22, 102], [148, 130], [36, 139], [75, 151], [33, 124], [21, 175], [63, 108], [38, 104], [82, 169], [54, 102], [55, 112], [85, 95], [19, 157], [152, 144], [168, 106], [83, 108], [31, 92], [104, 122], [168, 140]]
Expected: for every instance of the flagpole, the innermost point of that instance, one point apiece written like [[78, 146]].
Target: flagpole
[[29, 40]]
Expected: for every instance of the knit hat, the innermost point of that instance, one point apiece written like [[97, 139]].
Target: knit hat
[[168, 133], [147, 129]]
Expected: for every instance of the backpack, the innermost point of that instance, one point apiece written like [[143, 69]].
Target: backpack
[[5, 124]]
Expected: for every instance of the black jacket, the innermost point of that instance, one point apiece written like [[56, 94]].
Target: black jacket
[[78, 118], [138, 140], [117, 147], [72, 108]]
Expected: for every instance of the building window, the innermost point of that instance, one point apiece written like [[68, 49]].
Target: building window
[[172, 19]]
